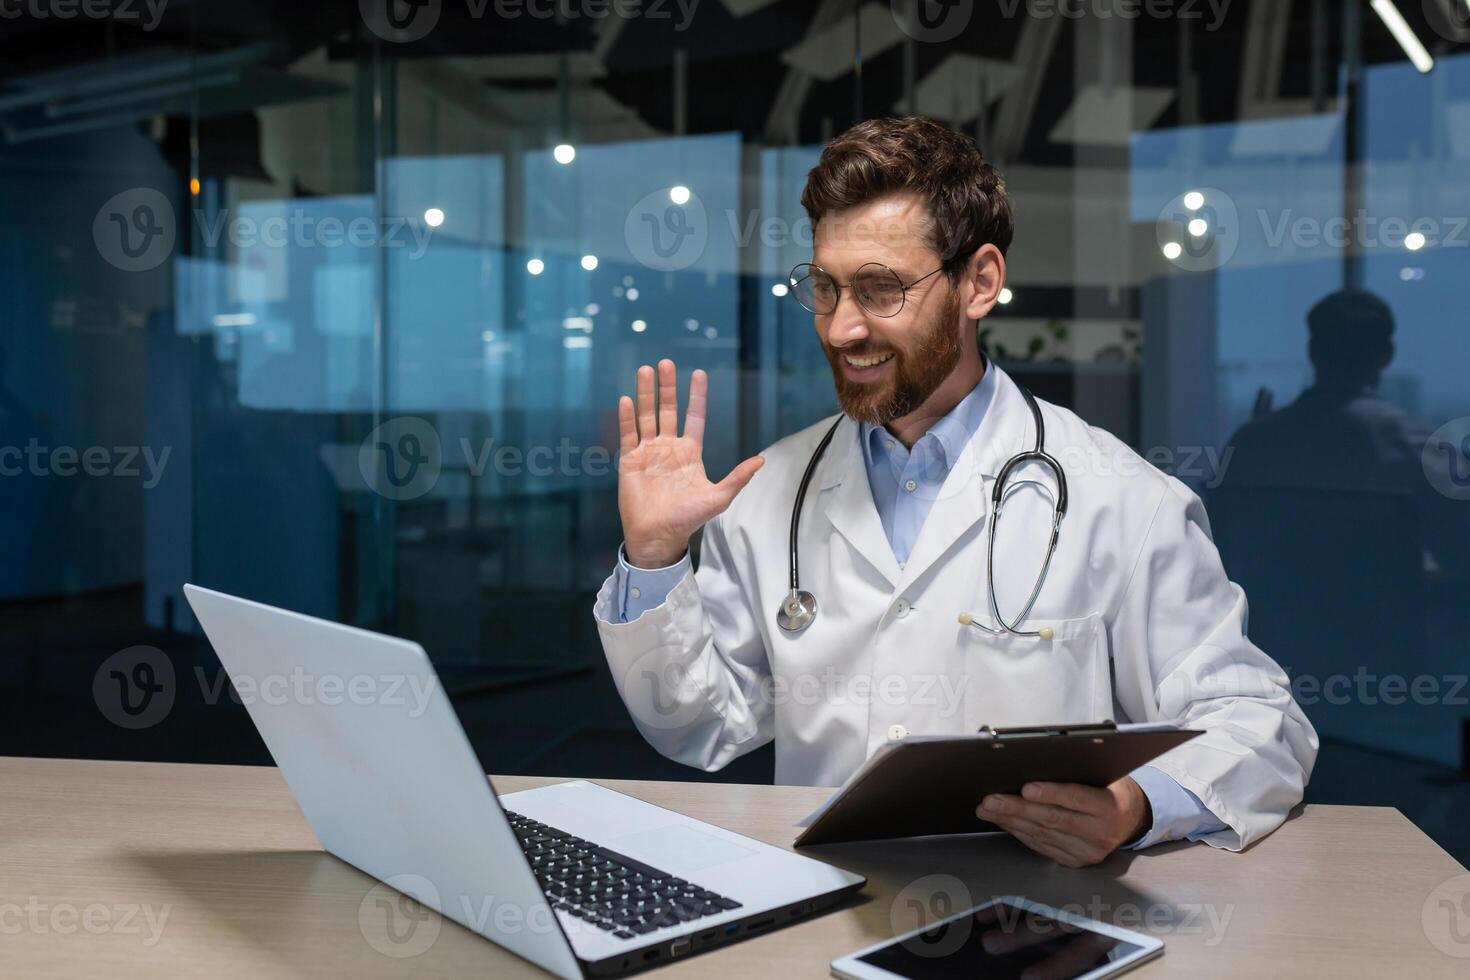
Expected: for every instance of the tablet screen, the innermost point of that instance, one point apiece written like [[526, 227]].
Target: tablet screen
[[1000, 941]]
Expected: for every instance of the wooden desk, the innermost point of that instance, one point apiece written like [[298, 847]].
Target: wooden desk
[[236, 886]]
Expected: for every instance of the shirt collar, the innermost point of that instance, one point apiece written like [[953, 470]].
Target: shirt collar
[[952, 432]]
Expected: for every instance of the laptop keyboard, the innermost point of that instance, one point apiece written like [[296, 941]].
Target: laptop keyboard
[[624, 897]]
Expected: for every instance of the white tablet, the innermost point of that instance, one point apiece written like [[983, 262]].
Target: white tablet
[[1005, 937]]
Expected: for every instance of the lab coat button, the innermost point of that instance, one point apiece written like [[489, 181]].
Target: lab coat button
[[896, 732], [900, 608]]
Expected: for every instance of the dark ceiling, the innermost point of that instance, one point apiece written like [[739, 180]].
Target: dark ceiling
[[735, 69]]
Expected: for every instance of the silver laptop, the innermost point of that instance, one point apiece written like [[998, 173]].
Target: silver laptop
[[576, 878]]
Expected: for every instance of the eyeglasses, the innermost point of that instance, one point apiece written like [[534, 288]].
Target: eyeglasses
[[876, 287]]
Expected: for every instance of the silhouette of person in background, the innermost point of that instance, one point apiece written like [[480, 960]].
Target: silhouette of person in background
[[1339, 433]]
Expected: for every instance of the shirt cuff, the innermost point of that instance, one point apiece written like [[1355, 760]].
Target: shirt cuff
[[1178, 813], [641, 589]]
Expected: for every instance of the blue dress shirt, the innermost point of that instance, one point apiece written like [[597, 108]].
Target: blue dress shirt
[[905, 483]]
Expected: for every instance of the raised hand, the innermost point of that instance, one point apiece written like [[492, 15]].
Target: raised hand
[[664, 495]]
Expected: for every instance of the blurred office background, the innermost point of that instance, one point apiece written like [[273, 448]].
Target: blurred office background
[[329, 305]]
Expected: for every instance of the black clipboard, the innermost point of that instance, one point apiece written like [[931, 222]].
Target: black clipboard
[[931, 784]]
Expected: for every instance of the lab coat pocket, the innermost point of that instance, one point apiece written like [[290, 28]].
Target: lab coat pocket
[[1025, 680]]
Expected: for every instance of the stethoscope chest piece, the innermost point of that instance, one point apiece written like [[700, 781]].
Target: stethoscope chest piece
[[797, 611]]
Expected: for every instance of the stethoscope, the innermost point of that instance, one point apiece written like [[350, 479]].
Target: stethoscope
[[799, 608]]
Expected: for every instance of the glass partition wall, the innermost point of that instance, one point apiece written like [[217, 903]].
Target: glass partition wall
[[330, 305]]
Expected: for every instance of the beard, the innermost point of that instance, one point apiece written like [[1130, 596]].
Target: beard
[[917, 373]]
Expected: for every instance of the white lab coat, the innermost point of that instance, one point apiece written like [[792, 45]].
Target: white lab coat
[[1147, 626]]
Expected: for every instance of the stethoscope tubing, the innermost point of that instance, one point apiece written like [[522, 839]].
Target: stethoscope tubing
[[799, 608]]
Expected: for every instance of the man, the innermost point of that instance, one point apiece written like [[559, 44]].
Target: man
[[1137, 619], [1340, 434]]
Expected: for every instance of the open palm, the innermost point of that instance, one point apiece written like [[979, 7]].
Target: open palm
[[664, 494]]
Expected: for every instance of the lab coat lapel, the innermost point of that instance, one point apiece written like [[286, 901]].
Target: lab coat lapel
[[964, 499], [847, 500]]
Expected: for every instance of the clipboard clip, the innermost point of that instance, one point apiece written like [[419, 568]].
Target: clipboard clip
[[1104, 727]]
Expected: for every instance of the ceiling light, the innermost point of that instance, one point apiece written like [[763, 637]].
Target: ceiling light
[[1403, 34]]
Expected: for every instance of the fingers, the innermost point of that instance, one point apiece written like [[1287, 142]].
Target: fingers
[[647, 428], [998, 807], [738, 478], [1070, 796], [668, 398], [1066, 836], [1050, 845], [627, 426], [698, 402], [1046, 849]]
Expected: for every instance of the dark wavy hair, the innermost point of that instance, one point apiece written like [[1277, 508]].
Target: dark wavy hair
[[965, 195]]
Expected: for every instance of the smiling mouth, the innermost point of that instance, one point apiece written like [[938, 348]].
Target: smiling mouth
[[866, 362]]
